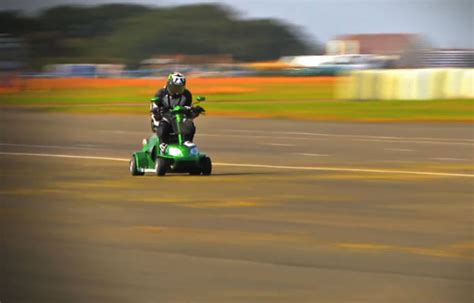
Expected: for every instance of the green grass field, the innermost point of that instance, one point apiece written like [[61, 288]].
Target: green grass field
[[312, 101]]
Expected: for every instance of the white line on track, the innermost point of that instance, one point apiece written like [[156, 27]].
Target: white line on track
[[383, 137], [311, 155], [144, 134], [307, 168], [414, 142], [277, 144], [352, 138], [228, 136], [88, 145], [355, 136], [400, 149], [450, 159], [81, 147], [65, 156], [319, 137]]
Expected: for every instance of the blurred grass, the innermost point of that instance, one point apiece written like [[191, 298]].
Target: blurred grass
[[445, 110], [292, 98]]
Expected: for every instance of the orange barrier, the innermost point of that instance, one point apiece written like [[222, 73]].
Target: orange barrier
[[217, 84]]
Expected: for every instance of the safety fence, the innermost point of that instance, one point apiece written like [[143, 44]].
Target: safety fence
[[407, 84]]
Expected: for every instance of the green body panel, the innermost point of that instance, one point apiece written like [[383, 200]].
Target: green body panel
[[153, 141], [176, 153], [144, 160]]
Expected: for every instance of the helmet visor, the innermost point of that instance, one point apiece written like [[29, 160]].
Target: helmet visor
[[175, 89]]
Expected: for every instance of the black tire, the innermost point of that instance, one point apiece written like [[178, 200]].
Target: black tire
[[206, 166], [161, 166], [195, 172], [134, 169]]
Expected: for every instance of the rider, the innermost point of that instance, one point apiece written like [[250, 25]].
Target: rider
[[173, 94]]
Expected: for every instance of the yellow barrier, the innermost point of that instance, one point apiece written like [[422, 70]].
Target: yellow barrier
[[408, 84], [467, 84]]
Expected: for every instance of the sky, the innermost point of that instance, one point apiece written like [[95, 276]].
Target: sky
[[444, 23]]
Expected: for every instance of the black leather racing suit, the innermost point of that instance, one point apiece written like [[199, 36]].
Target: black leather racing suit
[[163, 122]]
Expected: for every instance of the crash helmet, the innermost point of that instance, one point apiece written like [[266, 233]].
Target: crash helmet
[[176, 83]]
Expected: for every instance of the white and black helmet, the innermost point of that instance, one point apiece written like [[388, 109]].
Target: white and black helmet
[[176, 83]]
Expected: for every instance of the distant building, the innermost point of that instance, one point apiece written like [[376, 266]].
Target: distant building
[[375, 44]]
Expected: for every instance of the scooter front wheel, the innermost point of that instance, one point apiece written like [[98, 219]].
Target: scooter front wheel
[[161, 166], [134, 168]]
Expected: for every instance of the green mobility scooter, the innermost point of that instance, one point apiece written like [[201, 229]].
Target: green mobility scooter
[[179, 156]]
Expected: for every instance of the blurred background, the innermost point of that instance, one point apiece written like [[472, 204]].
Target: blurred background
[[407, 50]]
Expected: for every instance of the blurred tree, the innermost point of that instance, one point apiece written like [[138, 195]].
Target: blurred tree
[[12, 22], [130, 33], [78, 21]]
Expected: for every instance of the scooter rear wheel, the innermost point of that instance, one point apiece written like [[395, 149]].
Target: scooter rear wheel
[[195, 172], [206, 166]]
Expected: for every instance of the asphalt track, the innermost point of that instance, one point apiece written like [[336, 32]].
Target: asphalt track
[[294, 212]]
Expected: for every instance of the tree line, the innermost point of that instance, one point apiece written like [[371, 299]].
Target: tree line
[[126, 33]]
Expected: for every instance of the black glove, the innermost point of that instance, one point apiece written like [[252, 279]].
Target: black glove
[[199, 110], [157, 113]]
